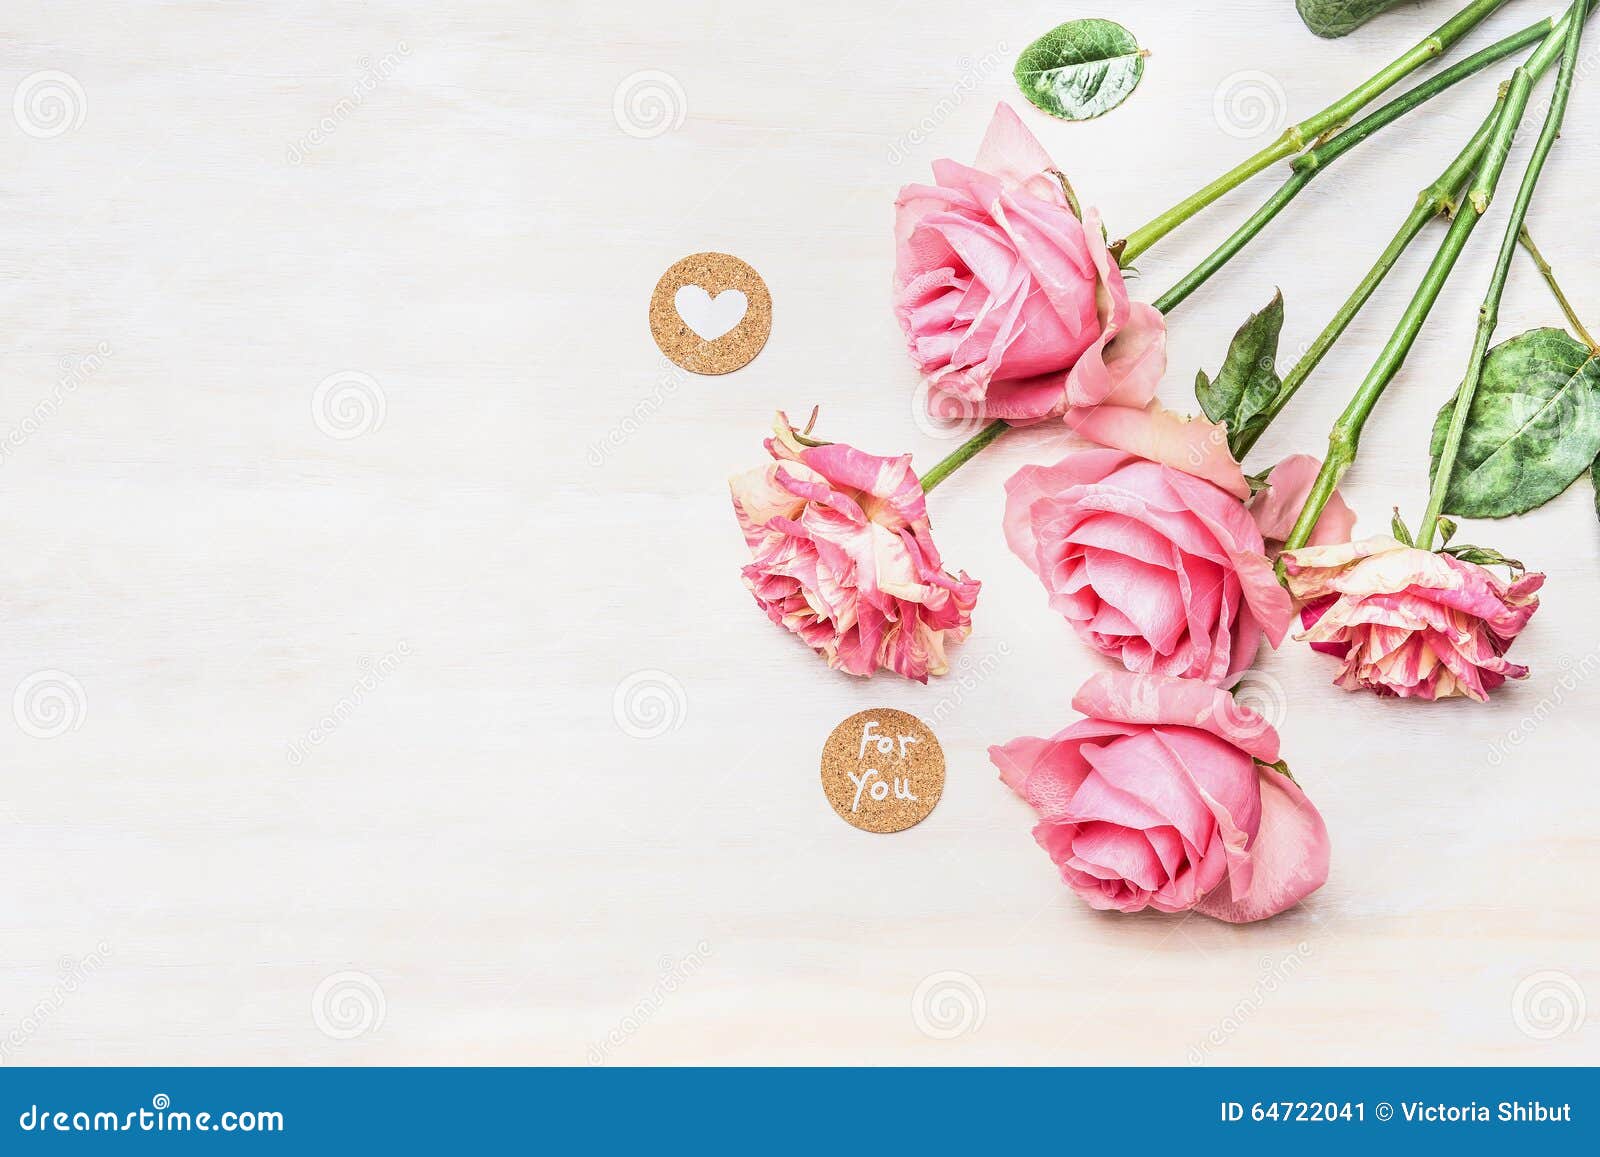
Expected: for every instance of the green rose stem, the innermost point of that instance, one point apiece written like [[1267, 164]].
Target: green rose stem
[[1296, 137], [1561, 299], [1345, 437], [1439, 197], [1316, 160], [1489, 313], [958, 457]]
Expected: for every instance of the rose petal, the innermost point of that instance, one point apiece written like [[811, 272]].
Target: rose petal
[[1011, 152], [1123, 697], [1032, 483], [1192, 445], [1123, 366], [1276, 508], [1289, 856]]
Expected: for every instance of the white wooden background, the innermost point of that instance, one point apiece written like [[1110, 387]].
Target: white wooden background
[[436, 206]]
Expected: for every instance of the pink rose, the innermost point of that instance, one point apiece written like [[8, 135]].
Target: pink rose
[[844, 557], [1011, 305], [1410, 622], [1164, 797], [1151, 565]]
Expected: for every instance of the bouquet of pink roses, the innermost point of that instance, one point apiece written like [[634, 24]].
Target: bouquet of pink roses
[[1155, 544]]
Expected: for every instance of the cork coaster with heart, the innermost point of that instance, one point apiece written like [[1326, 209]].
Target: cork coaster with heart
[[882, 770], [710, 313]]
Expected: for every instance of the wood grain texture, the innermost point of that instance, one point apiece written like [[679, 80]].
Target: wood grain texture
[[367, 495]]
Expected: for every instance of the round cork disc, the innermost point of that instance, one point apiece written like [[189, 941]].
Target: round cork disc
[[882, 770], [727, 337]]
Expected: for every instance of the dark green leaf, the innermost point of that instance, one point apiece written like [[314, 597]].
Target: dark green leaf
[[1071, 195], [1482, 555], [1341, 17], [1397, 527], [1080, 69], [1281, 767], [1594, 476], [1534, 426], [1248, 381]]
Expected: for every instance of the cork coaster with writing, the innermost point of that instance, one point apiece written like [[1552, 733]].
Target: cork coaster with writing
[[710, 313], [882, 770]]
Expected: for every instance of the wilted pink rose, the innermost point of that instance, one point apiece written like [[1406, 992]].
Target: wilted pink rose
[[1151, 565], [1163, 798], [1013, 307], [1411, 622], [844, 558]]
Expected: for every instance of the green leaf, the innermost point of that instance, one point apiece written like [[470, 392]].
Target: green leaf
[[1080, 69], [1341, 17], [1397, 527], [1482, 555], [1594, 476], [1248, 381], [1281, 767], [1534, 426], [1447, 529], [1071, 195]]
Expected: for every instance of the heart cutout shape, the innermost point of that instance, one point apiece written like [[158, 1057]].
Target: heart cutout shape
[[710, 317]]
